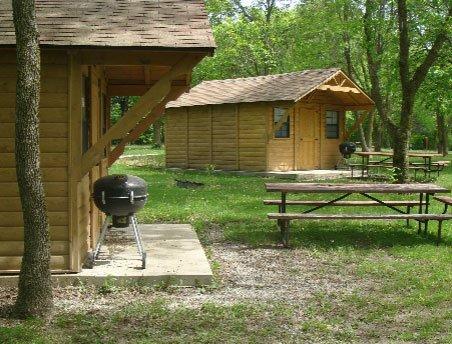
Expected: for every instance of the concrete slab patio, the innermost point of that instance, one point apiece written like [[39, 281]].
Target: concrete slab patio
[[174, 256]]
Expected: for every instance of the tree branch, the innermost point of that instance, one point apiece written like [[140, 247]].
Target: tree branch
[[421, 72]]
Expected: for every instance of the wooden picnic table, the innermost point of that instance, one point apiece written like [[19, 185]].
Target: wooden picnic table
[[388, 155], [369, 191]]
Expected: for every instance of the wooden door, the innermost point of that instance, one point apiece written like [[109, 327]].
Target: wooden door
[[308, 139]]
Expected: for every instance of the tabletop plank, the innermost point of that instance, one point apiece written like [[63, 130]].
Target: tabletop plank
[[354, 188], [410, 154]]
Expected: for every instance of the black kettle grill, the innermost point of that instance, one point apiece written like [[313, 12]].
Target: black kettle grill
[[120, 197], [347, 149]]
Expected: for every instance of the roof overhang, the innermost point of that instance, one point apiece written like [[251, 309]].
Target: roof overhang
[[345, 90]]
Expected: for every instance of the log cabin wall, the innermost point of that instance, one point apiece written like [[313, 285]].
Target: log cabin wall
[[227, 136], [54, 159], [281, 151]]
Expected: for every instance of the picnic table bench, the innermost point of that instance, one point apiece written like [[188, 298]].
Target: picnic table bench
[[427, 166], [423, 190]]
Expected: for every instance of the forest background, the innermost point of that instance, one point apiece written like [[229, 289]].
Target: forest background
[[264, 37]]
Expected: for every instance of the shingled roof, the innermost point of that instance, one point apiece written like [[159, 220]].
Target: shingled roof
[[289, 86], [116, 23]]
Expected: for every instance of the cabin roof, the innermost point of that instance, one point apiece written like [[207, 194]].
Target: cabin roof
[[116, 23], [278, 87]]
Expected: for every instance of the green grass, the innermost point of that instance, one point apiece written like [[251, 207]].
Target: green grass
[[402, 291], [142, 150]]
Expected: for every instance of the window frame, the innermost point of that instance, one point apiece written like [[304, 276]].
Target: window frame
[[337, 124], [287, 123]]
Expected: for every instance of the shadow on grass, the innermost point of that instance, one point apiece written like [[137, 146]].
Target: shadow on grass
[[332, 235]]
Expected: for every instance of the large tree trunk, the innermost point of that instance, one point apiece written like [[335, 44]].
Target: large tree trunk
[[443, 144], [400, 159], [35, 289], [411, 85]]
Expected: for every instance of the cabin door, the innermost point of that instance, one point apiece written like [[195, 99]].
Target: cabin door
[[308, 139]]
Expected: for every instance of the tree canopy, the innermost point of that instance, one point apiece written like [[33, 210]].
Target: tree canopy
[[268, 36]]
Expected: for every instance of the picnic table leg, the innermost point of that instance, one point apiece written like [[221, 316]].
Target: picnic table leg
[[284, 224], [427, 203], [283, 202], [421, 199], [408, 211], [363, 158], [285, 232], [438, 239]]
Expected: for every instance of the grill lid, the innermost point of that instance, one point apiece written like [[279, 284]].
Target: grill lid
[[120, 194]]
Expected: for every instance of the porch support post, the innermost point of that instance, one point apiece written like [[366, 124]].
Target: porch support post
[[360, 120], [155, 114], [144, 106]]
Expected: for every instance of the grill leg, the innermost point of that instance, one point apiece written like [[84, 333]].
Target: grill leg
[[103, 234], [136, 234]]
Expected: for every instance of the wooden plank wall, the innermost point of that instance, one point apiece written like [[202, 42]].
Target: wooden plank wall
[[54, 159], [176, 137], [199, 136], [227, 136], [281, 152], [253, 136]]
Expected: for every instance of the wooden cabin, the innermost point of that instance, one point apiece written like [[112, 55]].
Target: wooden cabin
[[91, 51], [284, 122]]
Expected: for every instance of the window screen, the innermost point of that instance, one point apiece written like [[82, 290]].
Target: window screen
[[332, 125], [284, 129]]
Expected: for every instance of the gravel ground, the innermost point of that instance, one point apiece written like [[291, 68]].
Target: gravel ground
[[243, 274]]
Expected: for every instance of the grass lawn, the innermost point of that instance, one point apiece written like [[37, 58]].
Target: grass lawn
[[142, 150], [379, 282]]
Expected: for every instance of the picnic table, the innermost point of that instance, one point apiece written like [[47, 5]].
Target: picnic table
[[386, 158], [372, 194]]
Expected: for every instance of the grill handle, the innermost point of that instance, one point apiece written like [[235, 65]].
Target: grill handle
[[131, 197], [103, 198]]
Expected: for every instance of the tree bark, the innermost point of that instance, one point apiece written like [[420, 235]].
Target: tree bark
[[158, 133], [123, 104], [370, 130], [411, 85], [443, 144], [378, 131], [362, 136], [35, 288]]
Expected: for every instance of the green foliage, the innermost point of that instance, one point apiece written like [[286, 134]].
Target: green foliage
[[119, 105], [254, 39]]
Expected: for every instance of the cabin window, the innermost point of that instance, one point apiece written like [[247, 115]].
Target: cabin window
[[283, 130], [86, 114], [332, 125]]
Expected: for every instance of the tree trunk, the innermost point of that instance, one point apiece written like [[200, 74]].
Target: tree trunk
[[370, 130], [400, 159], [35, 288], [362, 136], [123, 104], [443, 144], [378, 132], [158, 133]]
